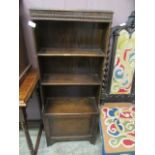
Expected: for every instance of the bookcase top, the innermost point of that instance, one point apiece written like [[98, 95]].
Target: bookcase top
[[72, 15]]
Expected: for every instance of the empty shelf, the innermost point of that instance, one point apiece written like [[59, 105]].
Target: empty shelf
[[71, 52], [71, 105], [71, 79]]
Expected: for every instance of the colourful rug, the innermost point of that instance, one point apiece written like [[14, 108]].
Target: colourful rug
[[117, 126]]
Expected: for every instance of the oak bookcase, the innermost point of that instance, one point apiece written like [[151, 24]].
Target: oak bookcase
[[71, 50]]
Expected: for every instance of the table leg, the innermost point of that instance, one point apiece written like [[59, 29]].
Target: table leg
[[25, 129], [38, 138]]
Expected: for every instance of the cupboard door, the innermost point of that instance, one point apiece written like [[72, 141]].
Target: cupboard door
[[70, 127]]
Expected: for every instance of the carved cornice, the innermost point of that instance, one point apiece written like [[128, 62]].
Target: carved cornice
[[92, 16]]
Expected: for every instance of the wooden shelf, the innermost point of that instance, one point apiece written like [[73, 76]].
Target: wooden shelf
[[71, 52], [68, 105], [70, 79]]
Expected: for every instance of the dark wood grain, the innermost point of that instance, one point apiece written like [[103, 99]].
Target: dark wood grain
[[70, 91], [27, 87], [70, 119], [70, 79], [70, 35], [65, 127], [71, 52], [71, 105], [70, 65]]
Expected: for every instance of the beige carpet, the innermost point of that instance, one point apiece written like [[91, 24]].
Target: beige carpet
[[60, 148]]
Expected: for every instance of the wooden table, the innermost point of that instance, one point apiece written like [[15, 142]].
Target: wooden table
[[26, 89]]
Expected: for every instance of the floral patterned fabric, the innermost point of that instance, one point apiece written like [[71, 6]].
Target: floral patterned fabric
[[124, 64], [118, 127]]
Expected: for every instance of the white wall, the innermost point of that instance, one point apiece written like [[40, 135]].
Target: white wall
[[121, 8]]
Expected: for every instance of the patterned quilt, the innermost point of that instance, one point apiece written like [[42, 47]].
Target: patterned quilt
[[117, 122]]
